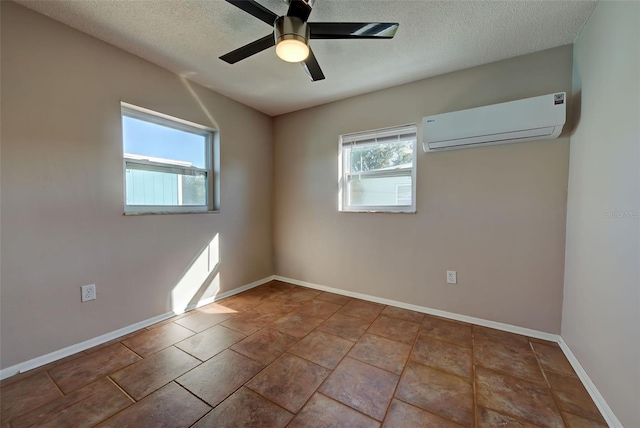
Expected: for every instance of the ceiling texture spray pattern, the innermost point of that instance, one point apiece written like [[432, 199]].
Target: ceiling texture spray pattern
[[435, 37]]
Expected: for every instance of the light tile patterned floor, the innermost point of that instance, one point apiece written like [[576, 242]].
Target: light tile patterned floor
[[281, 355]]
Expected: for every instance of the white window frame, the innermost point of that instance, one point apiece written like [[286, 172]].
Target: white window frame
[[371, 137], [155, 164]]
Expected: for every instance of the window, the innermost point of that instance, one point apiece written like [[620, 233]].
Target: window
[[378, 170], [168, 163]]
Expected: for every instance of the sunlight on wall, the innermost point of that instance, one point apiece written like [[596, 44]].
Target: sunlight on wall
[[202, 277], [195, 96]]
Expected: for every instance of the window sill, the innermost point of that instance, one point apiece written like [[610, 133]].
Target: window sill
[[378, 211], [136, 213]]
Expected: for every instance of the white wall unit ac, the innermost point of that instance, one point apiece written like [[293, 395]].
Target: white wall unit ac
[[537, 118]]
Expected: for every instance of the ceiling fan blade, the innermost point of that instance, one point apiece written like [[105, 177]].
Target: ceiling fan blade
[[353, 30], [247, 50], [312, 68], [300, 8], [255, 9]]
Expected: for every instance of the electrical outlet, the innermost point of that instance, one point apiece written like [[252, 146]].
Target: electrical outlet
[[88, 292], [452, 277]]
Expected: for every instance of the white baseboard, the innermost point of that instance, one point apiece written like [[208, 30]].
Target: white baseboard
[[70, 350], [78, 347], [444, 314], [597, 398]]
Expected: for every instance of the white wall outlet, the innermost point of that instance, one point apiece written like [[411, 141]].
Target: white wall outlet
[[452, 277], [88, 292]]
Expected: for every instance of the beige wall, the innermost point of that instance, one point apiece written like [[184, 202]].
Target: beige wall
[[495, 214], [62, 189], [601, 321]]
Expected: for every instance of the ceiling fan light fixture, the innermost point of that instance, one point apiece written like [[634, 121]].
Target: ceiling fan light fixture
[[292, 39], [292, 50]]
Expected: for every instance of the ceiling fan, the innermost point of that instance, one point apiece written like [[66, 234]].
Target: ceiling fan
[[291, 34]]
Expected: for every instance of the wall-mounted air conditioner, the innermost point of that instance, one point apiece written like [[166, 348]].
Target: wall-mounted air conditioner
[[537, 118]]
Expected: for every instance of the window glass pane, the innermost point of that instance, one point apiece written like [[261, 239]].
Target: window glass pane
[[373, 157], [152, 140], [366, 191], [403, 194], [144, 187], [194, 190]]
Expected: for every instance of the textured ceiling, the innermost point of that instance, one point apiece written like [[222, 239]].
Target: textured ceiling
[[435, 37]]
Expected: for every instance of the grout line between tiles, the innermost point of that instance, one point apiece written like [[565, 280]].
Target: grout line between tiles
[[417, 362], [335, 335], [55, 383], [134, 352], [561, 374], [438, 369], [162, 386], [501, 412], [313, 362], [201, 418], [37, 370], [516, 417], [331, 371], [544, 375], [448, 342], [426, 411], [191, 393], [339, 402], [243, 384], [193, 368], [404, 367], [376, 367], [190, 329], [371, 365], [125, 392], [504, 373], [266, 398], [10, 421], [270, 401], [583, 417]]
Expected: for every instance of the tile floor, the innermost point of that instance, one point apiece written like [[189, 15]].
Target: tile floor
[[281, 355]]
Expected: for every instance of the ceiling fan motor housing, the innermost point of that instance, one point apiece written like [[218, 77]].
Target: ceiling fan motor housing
[[291, 28]]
